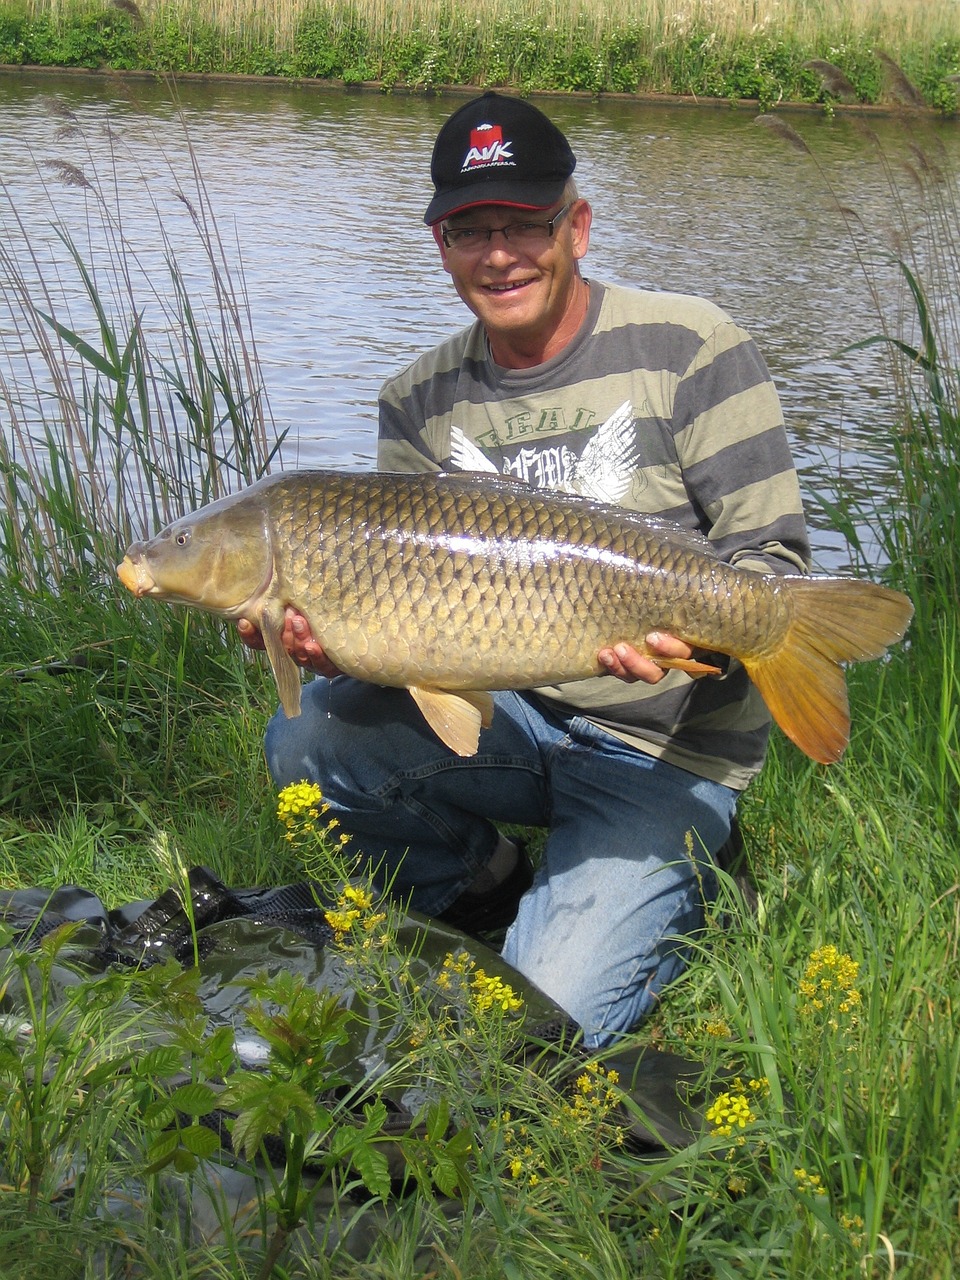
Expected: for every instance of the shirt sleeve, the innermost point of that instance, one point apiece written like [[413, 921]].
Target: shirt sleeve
[[735, 459]]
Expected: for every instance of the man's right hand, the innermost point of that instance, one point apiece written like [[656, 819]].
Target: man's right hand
[[297, 639]]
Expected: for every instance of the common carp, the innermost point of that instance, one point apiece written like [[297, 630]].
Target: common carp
[[452, 585]]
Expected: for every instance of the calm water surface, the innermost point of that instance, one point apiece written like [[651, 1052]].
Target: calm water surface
[[319, 195]]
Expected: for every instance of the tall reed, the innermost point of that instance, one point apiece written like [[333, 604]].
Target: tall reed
[[125, 401], [125, 404]]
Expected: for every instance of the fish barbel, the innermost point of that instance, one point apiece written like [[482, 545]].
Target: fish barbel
[[452, 585]]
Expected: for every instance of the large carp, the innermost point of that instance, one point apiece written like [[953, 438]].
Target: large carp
[[451, 585]]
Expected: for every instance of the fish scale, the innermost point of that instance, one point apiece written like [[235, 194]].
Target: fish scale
[[454, 585]]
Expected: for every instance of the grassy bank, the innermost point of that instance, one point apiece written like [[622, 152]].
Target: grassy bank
[[719, 49], [130, 748]]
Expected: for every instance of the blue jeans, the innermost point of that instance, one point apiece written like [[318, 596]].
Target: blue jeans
[[627, 864]]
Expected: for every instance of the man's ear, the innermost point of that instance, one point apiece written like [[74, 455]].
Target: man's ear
[[581, 217], [438, 236]]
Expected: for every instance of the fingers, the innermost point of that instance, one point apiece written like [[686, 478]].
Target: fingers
[[298, 640], [303, 648], [629, 664], [249, 634]]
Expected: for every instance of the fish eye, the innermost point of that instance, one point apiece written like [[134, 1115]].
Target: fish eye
[[183, 537]]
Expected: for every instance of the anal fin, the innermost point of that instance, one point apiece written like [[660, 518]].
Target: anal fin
[[456, 718]]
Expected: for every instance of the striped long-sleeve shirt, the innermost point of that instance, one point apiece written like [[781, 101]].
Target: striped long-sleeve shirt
[[660, 404]]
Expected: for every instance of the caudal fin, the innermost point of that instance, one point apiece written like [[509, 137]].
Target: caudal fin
[[833, 621]]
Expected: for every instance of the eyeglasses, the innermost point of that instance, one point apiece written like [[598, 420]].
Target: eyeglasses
[[523, 234]]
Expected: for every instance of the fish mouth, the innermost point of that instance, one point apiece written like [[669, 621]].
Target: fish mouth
[[135, 576]]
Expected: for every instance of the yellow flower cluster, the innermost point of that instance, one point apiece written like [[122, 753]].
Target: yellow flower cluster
[[523, 1164], [488, 992], [828, 986], [853, 1224], [299, 805], [484, 991], [593, 1101], [731, 1110], [595, 1096], [353, 914], [718, 1028], [811, 1182]]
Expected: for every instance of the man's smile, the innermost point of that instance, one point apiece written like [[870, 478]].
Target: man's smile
[[507, 286]]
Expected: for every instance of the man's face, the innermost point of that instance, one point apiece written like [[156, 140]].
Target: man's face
[[526, 291]]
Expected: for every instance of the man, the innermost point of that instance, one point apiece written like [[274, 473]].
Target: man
[[655, 402]]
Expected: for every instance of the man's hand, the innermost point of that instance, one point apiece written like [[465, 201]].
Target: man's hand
[[628, 664], [297, 639]]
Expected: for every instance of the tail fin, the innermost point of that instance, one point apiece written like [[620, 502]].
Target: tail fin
[[833, 620]]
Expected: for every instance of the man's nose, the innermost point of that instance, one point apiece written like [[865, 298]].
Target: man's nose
[[498, 244]]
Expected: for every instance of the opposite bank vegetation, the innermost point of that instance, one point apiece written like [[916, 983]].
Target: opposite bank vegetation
[[770, 51]]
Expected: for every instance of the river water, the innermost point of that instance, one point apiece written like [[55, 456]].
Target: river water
[[318, 195]]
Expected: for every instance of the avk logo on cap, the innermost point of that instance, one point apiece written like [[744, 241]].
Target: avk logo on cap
[[487, 147]]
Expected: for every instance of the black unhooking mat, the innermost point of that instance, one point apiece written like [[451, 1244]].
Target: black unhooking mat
[[237, 935]]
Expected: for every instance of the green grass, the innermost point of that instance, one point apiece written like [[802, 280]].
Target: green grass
[[726, 49], [130, 749]]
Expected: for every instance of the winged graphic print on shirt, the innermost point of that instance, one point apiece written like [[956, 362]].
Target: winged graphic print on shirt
[[603, 470]]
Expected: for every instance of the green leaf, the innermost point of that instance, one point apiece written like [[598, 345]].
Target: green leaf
[[219, 1054], [375, 1117], [200, 1141], [195, 1099], [159, 1114], [373, 1169], [450, 1172], [82, 348], [438, 1120], [164, 1060], [184, 1161], [161, 1151], [446, 1176], [267, 1106]]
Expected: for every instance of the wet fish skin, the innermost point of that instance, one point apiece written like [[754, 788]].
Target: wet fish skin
[[451, 585]]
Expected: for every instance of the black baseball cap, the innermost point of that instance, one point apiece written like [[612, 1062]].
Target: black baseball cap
[[498, 150]]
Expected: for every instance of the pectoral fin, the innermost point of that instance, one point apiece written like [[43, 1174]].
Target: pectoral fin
[[456, 718], [689, 665], [285, 670]]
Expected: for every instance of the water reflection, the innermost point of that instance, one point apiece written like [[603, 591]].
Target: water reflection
[[320, 195]]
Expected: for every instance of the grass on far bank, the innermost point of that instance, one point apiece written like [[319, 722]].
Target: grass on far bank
[[706, 48], [827, 1025]]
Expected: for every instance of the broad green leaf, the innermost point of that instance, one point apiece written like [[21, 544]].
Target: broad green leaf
[[195, 1099], [159, 1114], [161, 1151], [373, 1169], [164, 1060], [201, 1141]]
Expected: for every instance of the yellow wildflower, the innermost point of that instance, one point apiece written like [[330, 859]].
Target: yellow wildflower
[[718, 1028], [729, 1111], [489, 992], [828, 986], [811, 1182], [354, 907], [299, 805]]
